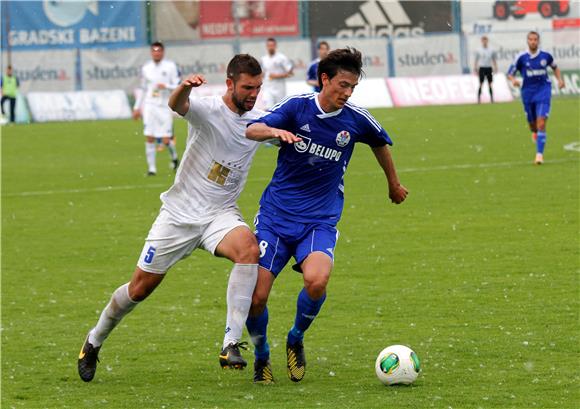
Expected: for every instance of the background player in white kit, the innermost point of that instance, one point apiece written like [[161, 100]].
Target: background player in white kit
[[485, 66], [158, 78], [200, 210], [277, 67]]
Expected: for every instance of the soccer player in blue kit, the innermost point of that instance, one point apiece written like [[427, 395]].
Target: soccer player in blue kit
[[536, 88], [300, 208]]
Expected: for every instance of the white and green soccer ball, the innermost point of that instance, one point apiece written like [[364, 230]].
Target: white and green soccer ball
[[397, 365]]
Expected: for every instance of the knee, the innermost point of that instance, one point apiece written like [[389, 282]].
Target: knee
[[247, 253], [259, 302], [316, 286]]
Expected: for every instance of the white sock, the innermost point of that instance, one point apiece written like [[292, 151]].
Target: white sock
[[239, 297], [150, 153], [171, 149], [119, 306]]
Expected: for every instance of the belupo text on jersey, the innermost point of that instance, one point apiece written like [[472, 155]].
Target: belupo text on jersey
[[306, 145]]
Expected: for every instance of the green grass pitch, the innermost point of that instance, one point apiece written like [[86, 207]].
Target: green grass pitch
[[477, 271]]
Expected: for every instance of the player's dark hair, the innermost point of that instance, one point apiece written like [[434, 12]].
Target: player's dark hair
[[345, 59], [158, 44], [320, 44], [243, 64], [271, 39], [534, 33]]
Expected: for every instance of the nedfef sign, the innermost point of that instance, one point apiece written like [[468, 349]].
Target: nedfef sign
[[445, 90]]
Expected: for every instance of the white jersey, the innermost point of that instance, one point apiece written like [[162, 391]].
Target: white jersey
[[152, 74], [215, 165], [275, 64], [484, 57]]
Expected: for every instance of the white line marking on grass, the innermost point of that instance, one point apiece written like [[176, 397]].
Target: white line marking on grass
[[403, 170], [573, 146]]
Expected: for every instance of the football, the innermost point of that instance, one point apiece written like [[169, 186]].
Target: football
[[397, 365]]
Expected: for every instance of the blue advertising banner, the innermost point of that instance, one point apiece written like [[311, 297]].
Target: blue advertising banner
[[32, 25]]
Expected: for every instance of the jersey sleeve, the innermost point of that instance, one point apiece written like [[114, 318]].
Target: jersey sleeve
[[373, 133], [280, 116], [311, 75], [550, 61], [175, 80], [141, 89], [515, 65], [196, 111], [287, 64]]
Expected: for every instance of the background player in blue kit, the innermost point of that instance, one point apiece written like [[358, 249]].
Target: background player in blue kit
[[303, 203], [312, 73], [536, 89]]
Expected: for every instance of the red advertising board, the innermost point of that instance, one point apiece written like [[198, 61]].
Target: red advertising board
[[258, 18]]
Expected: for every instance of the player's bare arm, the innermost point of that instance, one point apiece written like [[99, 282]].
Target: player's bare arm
[[261, 132], [179, 99], [515, 82], [397, 192], [558, 75]]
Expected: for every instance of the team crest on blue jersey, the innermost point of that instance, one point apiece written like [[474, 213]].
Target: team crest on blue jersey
[[342, 138], [543, 63], [303, 145]]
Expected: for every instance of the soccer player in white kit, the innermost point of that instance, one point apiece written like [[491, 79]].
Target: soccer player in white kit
[[158, 78], [200, 210], [485, 58], [277, 67]]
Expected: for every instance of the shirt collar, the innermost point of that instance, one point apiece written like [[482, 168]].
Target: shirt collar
[[323, 114]]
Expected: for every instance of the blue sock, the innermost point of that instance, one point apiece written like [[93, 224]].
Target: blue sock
[[257, 327], [541, 141], [306, 311]]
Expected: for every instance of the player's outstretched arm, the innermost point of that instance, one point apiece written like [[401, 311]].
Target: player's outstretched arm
[[397, 192], [179, 98], [261, 132]]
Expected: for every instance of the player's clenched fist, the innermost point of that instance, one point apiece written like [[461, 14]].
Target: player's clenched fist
[[398, 193], [194, 80]]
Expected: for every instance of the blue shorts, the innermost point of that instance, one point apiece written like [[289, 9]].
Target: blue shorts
[[537, 109], [280, 239]]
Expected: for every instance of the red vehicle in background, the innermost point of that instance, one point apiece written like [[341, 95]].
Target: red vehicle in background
[[518, 9]]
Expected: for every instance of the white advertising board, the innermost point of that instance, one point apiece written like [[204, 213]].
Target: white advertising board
[[426, 56], [112, 69], [76, 106], [43, 70], [374, 53]]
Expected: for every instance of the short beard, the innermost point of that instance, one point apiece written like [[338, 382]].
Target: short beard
[[239, 104]]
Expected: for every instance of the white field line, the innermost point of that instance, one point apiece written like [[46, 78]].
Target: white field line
[[262, 179]]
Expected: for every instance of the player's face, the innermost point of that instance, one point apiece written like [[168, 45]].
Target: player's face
[[271, 47], [245, 91], [157, 53], [322, 51], [484, 42], [533, 42], [339, 88]]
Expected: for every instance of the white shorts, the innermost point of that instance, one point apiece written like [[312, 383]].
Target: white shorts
[[170, 240], [157, 121]]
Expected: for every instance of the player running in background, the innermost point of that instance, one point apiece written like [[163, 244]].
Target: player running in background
[[485, 66], [200, 210], [311, 74], [277, 67], [158, 78], [300, 208], [536, 88]]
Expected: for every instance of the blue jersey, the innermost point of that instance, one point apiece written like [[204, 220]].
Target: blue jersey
[[312, 73], [307, 185], [534, 69]]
